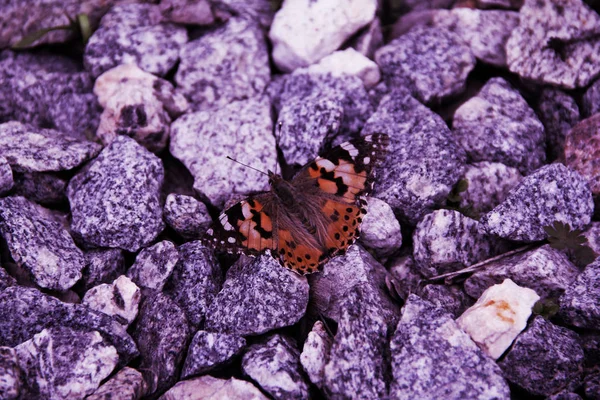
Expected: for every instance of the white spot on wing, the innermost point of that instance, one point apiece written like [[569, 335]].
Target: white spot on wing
[[231, 240], [367, 160]]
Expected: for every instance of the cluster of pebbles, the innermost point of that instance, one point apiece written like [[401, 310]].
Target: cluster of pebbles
[[112, 165]]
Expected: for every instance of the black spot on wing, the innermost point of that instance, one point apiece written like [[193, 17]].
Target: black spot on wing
[[258, 228]]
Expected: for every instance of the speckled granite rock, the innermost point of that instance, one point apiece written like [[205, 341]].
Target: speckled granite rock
[[433, 63], [102, 266], [153, 265], [357, 357], [275, 366], [260, 11], [187, 12], [546, 270], [555, 43], [29, 149], [315, 353], [540, 368], [559, 113], [564, 395], [134, 34], [592, 386], [6, 176], [127, 384], [228, 64], [552, 193], [40, 244], [6, 280], [591, 100], [137, 104], [405, 276], [450, 298], [46, 188], [186, 215], [114, 200], [195, 281], [433, 358], [161, 333], [56, 93], [580, 304], [486, 32], [330, 23], [11, 380], [582, 151], [348, 62], [120, 299], [210, 388], [258, 296], [63, 363], [209, 351], [446, 241], [424, 161], [380, 230], [498, 125], [592, 235], [44, 311], [241, 130]]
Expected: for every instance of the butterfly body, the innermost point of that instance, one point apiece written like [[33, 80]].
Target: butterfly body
[[312, 217]]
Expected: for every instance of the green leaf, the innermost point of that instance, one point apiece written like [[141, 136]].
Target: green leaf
[[562, 237], [37, 35], [84, 27], [546, 308]]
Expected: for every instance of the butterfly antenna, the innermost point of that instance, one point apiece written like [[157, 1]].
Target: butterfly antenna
[[247, 166]]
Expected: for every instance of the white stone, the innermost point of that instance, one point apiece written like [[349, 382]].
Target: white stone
[[348, 62], [380, 230], [122, 298], [315, 353], [305, 31], [208, 388], [499, 315]]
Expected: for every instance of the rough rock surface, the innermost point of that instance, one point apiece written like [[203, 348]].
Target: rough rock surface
[[241, 130], [210, 388], [195, 281], [186, 215], [591, 99], [6, 176], [555, 43], [11, 380], [209, 351], [498, 125], [380, 230], [114, 201], [544, 359], [450, 298], [580, 304], [102, 266], [559, 113], [258, 296], [348, 62], [433, 63], [582, 151], [187, 12], [432, 358], [552, 193], [329, 22], [315, 353], [46, 188], [40, 244], [153, 265], [134, 34], [423, 162], [228, 64], [127, 384], [275, 366], [120, 299]]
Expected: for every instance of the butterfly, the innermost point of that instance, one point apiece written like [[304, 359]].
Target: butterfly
[[311, 218]]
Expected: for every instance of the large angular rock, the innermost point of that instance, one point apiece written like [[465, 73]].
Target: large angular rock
[[64, 363], [550, 194], [210, 388], [228, 64], [40, 244], [540, 368], [114, 201], [186, 215], [127, 384], [498, 125], [559, 113], [431, 76], [423, 162], [488, 185], [134, 34], [154, 265], [433, 358], [257, 296], [580, 304], [209, 351]]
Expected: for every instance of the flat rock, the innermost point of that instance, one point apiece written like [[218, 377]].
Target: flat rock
[[591, 99], [127, 384], [380, 230], [64, 363], [546, 270], [582, 151], [241, 130], [274, 364], [498, 125], [195, 281], [555, 43], [154, 265], [6, 176], [348, 62], [580, 304], [46, 188], [245, 304], [228, 64], [134, 34], [499, 315], [424, 161], [433, 358], [550, 194], [187, 12], [430, 76], [40, 244], [329, 22], [210, 351], [315, 354], [102, 266], [210, 388], [161, 333], [44, 311], [137, 104], [114, 200], [120, 299], [559, 113], [186, 215], [542, 369], [11, 380]]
